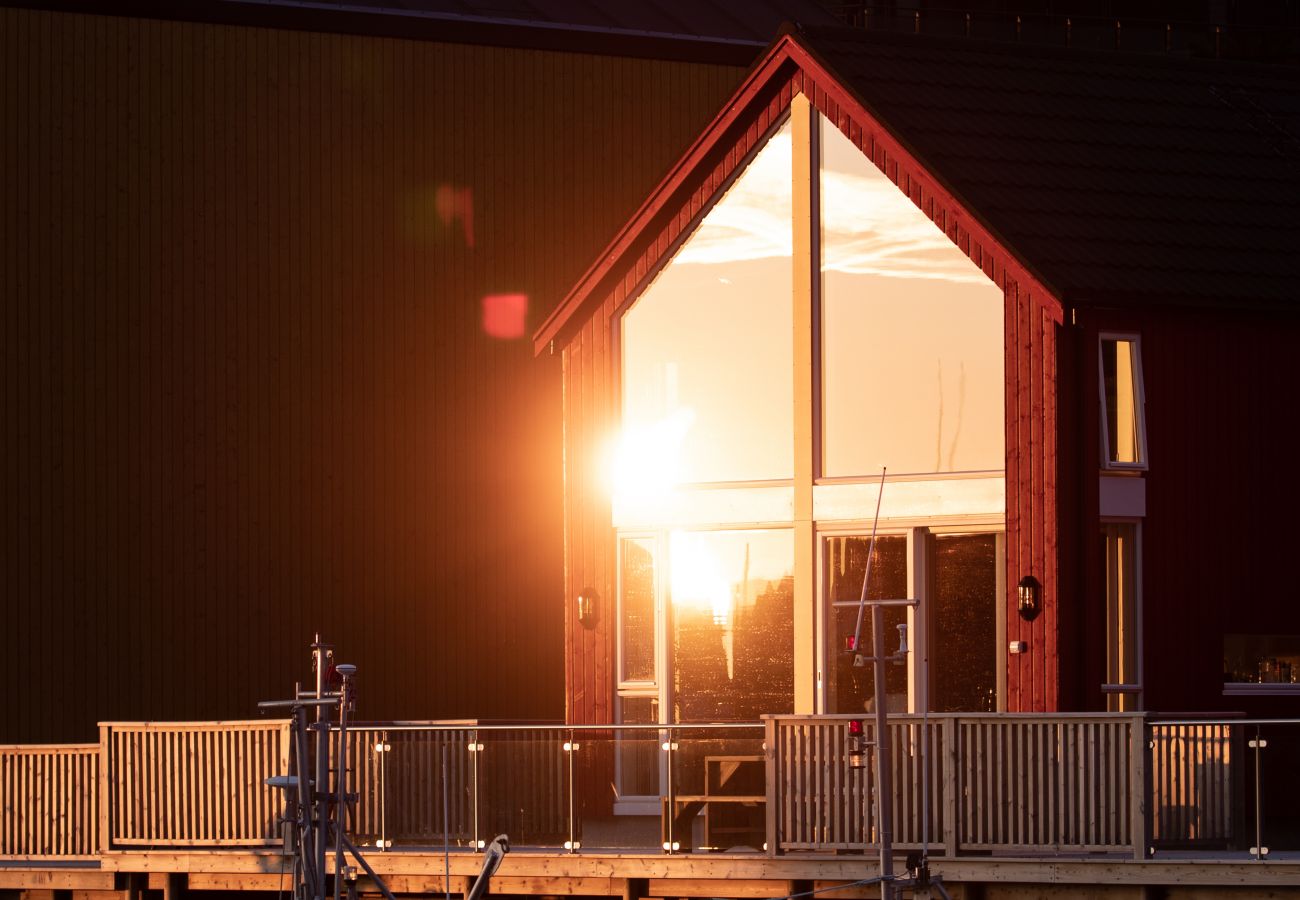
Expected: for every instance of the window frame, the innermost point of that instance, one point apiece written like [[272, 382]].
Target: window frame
[[1139, 403], [1121, 689]]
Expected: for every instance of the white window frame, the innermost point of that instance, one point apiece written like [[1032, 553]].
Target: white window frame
[[1139, 403], [639, 804], [919, 587]]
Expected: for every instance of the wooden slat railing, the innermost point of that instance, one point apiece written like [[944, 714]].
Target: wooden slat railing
[[824, 802], [1045, 781], [995, 781], [49, 800], [194, 784]]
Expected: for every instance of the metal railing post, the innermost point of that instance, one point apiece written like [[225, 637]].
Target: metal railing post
[[1259, 851], [570, 748], [672, 844], [475, 748]]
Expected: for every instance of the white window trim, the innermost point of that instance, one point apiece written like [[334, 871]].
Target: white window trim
[[919, 574], [1140, 405]]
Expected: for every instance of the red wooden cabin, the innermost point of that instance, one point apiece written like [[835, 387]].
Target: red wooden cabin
[[1053, 292]]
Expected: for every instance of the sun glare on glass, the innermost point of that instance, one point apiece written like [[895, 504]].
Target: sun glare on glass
[[698, 581], [646, 460]]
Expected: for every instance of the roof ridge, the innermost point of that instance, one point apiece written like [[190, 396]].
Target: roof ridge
[[1004, 49]]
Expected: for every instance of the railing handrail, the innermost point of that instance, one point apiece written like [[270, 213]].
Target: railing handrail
[[661, 726], [47, 748], [935, 716], [267, 723], [1154, 722]]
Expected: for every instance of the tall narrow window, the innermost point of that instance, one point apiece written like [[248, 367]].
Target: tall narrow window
[[1123, 672], [1123, 428]]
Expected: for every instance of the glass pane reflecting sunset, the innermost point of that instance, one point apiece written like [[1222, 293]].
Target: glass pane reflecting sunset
[[707, 359], [732, 606], [912, 342]]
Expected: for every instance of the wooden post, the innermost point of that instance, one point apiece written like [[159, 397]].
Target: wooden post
[[773, 766], [951, 803], [175, 886], [1139, 785], [104, 840]]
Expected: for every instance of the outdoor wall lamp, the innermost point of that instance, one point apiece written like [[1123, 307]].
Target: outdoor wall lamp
[[587, 600], [1028, 593]]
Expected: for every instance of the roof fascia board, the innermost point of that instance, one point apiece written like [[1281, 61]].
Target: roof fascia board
[[671, 188]]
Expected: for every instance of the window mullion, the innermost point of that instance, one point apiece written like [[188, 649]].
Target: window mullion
[[805, 159]]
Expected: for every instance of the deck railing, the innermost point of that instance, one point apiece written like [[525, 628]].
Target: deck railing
[[193, 784], [988, 782], [50, 796]]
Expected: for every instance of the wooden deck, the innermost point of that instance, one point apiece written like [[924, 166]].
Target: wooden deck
[[634, 876], [1061, 799]]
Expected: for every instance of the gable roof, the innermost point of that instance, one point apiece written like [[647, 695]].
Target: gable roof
[[1105, 178]]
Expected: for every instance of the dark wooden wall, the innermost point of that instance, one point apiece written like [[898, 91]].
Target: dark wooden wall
[[245, 389], [1218, 539], [1033, 319]]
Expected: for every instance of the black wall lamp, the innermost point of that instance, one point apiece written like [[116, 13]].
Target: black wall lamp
[[587, 601], [1029, 598]]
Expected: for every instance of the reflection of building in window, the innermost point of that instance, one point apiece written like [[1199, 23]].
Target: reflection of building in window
[[964, 657], [911, 336], [845, 560], [1261, 659], [732, 631], [706, 415], [1123, 428], [1123, 665]]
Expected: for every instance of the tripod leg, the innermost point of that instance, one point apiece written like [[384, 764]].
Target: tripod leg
[[356, 854]]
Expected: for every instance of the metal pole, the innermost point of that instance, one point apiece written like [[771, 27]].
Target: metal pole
[[884, 765], [672, 800], [341, 778], [573, 840], [1258, 745], [866, 575], [321, 806]]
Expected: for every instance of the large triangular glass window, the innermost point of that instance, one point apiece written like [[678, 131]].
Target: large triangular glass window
[[706, 350]]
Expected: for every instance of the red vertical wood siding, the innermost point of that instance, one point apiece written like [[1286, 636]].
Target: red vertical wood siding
[[1032, 521], [245, 387]]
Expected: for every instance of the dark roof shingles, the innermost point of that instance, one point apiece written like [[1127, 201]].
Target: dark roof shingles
[[1107, 174]]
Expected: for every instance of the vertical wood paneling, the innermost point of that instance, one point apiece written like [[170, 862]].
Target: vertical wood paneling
[[247, 387]]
